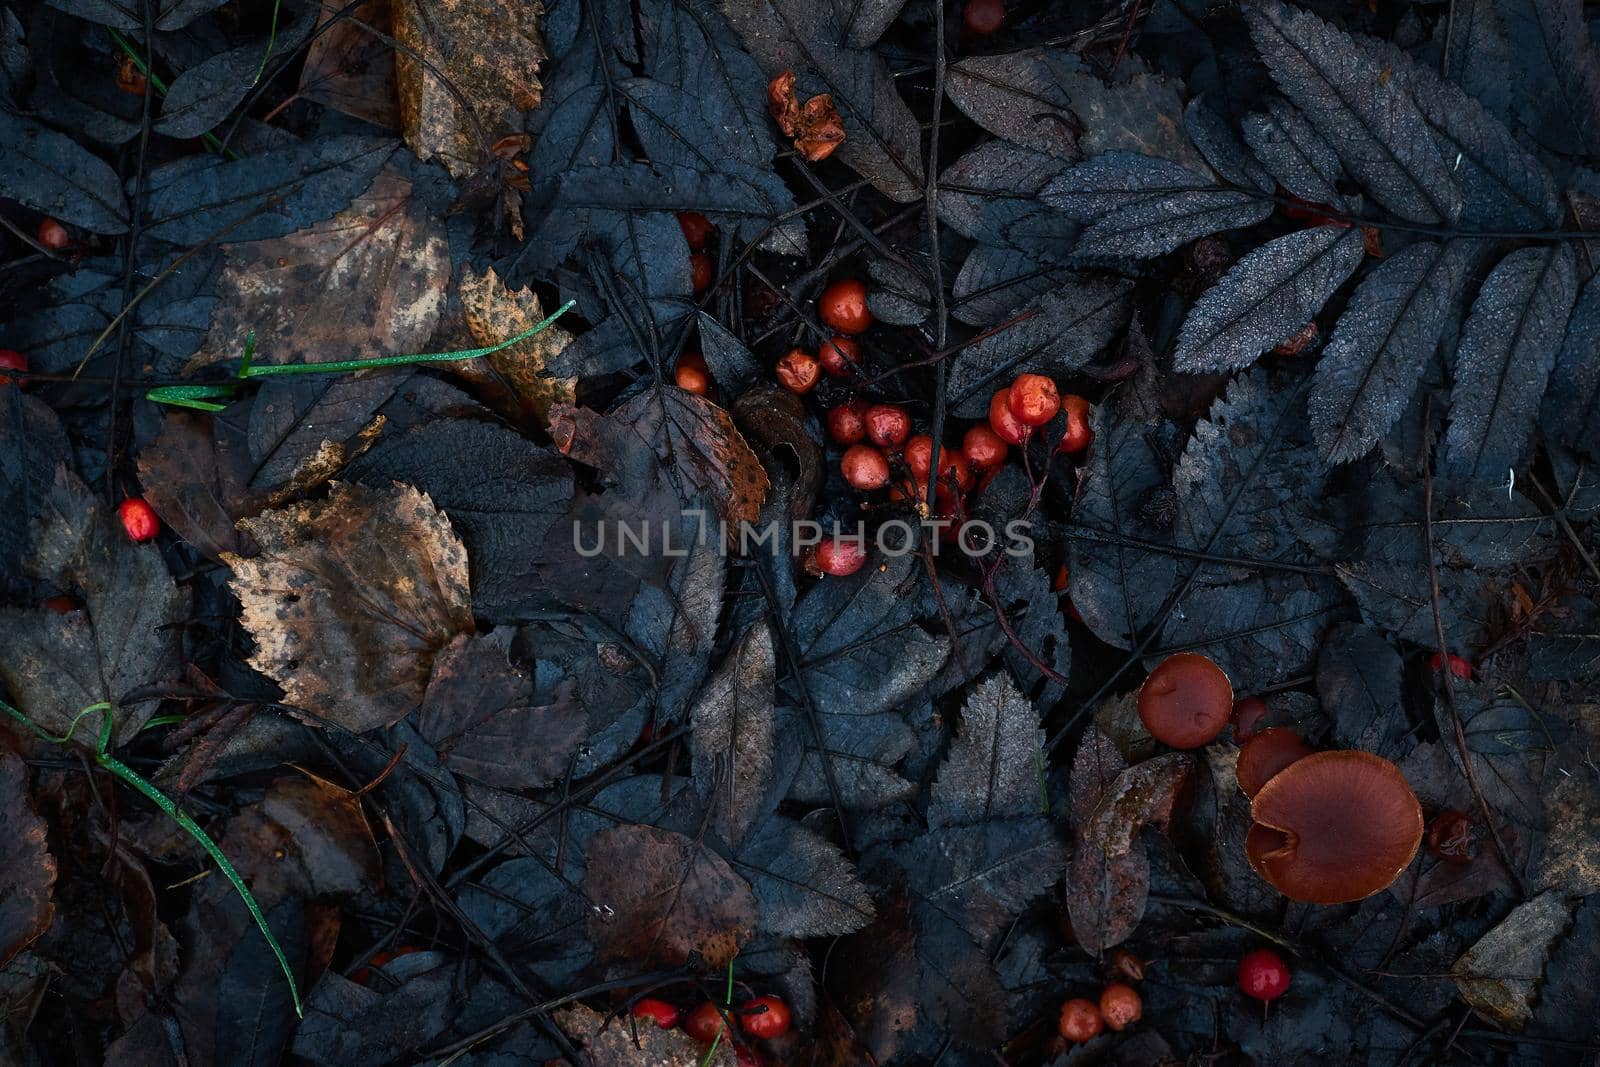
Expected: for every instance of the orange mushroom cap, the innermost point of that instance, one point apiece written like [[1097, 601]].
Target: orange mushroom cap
[[1186, 701], [1267, 753], [1334, 827]]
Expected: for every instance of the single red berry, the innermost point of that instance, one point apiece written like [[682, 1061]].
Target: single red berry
[[700, 271], [888, 425], [983, 448], [798, 371], [1034, 400], [1120, 1005], [659, 1012], [1080, 1020], [1007, 427], [1263, 975], [10, 359], [704, 1023], [61, 605], [691, 374], [1247, 715], [983, 17], [1078, 435], [1062, 579], [847, 423], [1450, 836], [139, 519], [841, 556], [765, 1017], [918, 455], [843, 306], [838, 355], [53, 235], [1458, 666], [696, 228], [864, 467]]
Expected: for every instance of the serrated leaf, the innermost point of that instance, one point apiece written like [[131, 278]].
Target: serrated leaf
[[1500, 974], [733, 728], [28, 873], [1142, 206], [1217, 141], [1376, 129], [804, 886], [1390, 328], [1267, 296], [1069, 326], [1022, 97], [993, 184], [995, 764], [56, 176], [689, 45], [1572, 404], [1507, 350], [1297, 155], [1557, 70], [1359, 682]]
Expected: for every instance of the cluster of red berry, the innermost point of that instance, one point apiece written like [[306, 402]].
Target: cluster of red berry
[[1119, 1006], [761, 1019]]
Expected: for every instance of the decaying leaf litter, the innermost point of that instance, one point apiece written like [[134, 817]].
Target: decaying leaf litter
[[1320, 275]]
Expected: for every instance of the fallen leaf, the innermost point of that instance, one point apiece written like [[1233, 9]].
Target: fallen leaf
[[351, 69], [495, 312], [198, 482], [1499, 975], [618, 1042], [467, 75], [350, 599], [733, 726], [660, 898], [305, 838], [27, 870]]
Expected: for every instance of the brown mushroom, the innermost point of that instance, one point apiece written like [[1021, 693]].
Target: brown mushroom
[[1334, 827], [1186, 701], [1265, 754]]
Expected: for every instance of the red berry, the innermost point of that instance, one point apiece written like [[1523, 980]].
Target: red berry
[[691, 374], [798, 372], [847, 423], [139, 519], [1247, 716], [700, 271], [1006, 426], [1263, 975], [1458, 666], [1078, 434], [983, 17], [1080, 1020], [1120, 1005], [888, 426], [838, 355], [864, 467], [61, 605], [130, 79], [918, 455], [696, 228], [1034, 400], [704, 1023], [841, 556], [53, 235], [10, 359], [765, 1017], [983, 448], [660, 1012], [843, 306]]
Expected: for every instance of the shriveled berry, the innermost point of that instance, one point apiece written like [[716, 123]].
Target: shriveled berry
[[130, 79], [1263, 975], [888, 425], [61, 605], [139, 519], [696, 228], [864, 467], [1080, 1020], [704, 1023], [659, 1012], [53, 235], [1007, 427], [1247, 715], [847, 423], [843, 306], [691, 374], [1458, 666], [838, 355], [1127, 965], [841, 556], [700, 271], [983, 448], [10, 359], [798, 371], [1450, 836], [983, 17], [1078, 435], [1034, 399], [765, 1018], [1120, 1005]]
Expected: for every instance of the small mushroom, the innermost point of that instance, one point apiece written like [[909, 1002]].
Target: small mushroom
[[1334, 827], [1267, 753], [1186, 701]]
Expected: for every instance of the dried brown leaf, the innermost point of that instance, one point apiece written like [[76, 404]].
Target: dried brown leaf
[[351, 598], [612, 1042], [494, 313], [351, 69], [27, 870], [733, 726], [198, 484], [1498, 976], [488, 52]]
